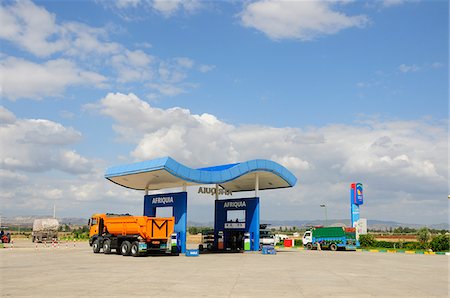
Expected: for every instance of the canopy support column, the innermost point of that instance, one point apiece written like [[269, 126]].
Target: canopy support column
[[256, 184], [217, 191]]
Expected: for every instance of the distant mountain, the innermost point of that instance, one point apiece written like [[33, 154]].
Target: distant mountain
[[27, 221], [372, 224]]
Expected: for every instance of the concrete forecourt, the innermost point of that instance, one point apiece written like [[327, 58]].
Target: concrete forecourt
[[76, 271]]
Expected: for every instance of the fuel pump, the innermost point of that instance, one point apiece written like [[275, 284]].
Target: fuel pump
[[174, 243], [220, 240], [247, 241]]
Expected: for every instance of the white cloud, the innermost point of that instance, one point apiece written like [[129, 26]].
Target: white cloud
[[6, 116], [81, 55], [167, 89], [206, 68], [184, 62], [437, 65], [32, 27], [391, 148], [35, 30], [168, 8], [38, 145], [396, 160], [133, 66], [127, 3], [302, 20], [390, 3], [408, 68], [49, 79]]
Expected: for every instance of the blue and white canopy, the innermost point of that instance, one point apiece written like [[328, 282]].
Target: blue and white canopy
[[168, 173]]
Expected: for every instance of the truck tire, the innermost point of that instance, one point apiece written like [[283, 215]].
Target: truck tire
[[333, 247], [125, 248], [96, 246], [309, 246], [134, 250], [107, 246]]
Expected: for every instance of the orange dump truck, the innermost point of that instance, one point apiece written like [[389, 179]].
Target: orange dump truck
[[132, 235]]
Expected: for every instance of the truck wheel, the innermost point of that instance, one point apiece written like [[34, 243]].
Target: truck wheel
[[33, 239], [333, 247], [96, 246], [135, 249], [107, 246], [125, 248], [309, 246]]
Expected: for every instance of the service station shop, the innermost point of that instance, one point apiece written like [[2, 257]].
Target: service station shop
[[236, 221]]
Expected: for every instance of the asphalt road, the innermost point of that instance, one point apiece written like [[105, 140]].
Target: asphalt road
[[77, 272]]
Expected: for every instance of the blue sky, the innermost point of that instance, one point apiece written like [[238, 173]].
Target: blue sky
[[337, 91]]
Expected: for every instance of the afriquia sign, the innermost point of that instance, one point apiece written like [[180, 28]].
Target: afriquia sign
[[235, 204], [357, 189], [212, 191], [162, 200]]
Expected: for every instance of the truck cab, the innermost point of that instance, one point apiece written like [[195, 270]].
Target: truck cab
[[307, 239], [265, 236], [93, 225]]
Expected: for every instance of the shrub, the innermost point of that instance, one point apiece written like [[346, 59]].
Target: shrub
[[384, 244], [413, 245], [423, 236], [367, 240], [440, 243]]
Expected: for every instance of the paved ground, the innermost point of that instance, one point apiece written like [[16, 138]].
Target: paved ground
[[54, 272]]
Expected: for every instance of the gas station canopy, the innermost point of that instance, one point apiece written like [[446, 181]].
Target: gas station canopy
[[168, 173]]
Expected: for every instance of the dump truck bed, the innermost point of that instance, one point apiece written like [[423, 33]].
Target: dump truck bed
[[149, 228]]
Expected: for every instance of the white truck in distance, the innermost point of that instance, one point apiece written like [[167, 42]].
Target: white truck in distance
[[45, 229], [265, 236]]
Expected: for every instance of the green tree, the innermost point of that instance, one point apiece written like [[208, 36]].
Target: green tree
[[423, 236], [440, 243], [367, 240]]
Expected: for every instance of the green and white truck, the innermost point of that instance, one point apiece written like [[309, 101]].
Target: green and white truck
[[332, 238]]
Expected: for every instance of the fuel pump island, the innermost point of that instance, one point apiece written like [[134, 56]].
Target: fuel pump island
[[236, 221]]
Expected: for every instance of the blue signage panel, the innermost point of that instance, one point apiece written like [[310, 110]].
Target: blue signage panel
[[356, 199], [248, 223], [355, 214], [178, 201], [358, 195]]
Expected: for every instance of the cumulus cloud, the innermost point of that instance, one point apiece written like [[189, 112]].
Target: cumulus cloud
[[39, 145], [48, 79], [302, 20], [35, 30], [133, 66], [135, 10], [408, 68], [396, 160], [32, 27], [390, 3], [168, 8], [206, 68], [74, 53]]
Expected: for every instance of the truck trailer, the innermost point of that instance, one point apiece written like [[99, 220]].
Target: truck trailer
[[45, 229], [333, 238], [132, 235]]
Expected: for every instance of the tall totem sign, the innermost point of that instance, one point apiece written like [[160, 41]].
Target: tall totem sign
[[356, 199]]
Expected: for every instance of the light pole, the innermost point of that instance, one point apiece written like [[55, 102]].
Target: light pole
[[326, 216]]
